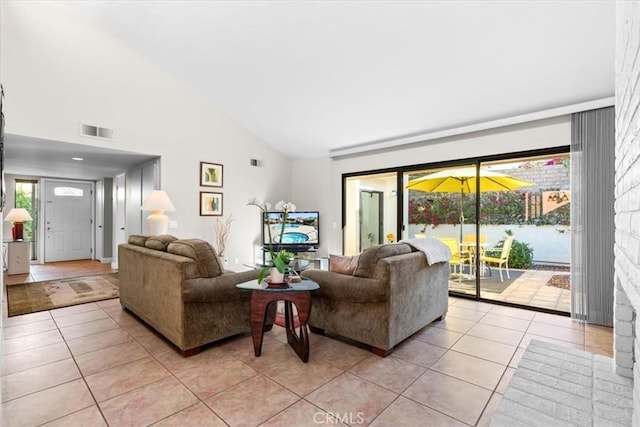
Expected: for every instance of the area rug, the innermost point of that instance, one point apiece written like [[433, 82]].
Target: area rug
[[50, 294], [487, 283], [280, 320]]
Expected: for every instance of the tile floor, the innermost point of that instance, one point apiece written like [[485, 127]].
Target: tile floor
[[95, 365]]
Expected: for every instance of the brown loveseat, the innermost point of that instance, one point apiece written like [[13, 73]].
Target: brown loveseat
[[180, 289], [392, 294]]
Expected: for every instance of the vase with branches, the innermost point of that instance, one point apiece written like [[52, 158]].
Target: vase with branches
[[279, 257], [222, 230]]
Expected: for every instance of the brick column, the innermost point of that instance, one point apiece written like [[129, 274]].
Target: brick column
[[627, 192], [624, 333]]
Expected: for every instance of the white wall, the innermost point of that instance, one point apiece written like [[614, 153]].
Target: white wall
[[312, 181], [528, 136], [59, 70]]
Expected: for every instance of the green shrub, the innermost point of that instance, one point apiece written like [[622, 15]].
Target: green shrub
[[521, 255]]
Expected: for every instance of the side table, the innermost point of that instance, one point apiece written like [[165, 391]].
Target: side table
[[298, 294], [18, 256]]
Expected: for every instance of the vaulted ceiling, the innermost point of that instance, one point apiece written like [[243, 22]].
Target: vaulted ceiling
[[311, 77]]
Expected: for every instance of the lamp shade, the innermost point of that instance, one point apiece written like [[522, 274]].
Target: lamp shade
[[18, 215], [158, 201]]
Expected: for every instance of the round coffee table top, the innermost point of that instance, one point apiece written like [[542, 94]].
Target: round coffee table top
[[304, 285]]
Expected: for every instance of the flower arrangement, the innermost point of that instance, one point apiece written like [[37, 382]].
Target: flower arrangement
[[390, 238], [280, 258]]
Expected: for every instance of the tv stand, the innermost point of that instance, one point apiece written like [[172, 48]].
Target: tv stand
[[290, 248]]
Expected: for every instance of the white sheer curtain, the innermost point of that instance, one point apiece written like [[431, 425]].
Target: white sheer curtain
[[592, 215]]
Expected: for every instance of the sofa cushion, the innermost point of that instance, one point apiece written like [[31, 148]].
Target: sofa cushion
[[370, 256], [201, 252], [343, 264], [219, 289], [159, 242], [341, 287], [137, 239]]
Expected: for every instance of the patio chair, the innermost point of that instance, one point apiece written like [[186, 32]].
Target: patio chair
[[458, 257], [499, 256]]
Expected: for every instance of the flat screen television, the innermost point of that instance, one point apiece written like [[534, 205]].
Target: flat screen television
[[301, 231]]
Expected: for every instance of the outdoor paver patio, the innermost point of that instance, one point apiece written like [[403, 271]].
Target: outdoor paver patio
[[530, 289]]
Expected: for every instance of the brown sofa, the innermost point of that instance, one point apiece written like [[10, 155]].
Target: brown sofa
[[392, 294], [180, 288]]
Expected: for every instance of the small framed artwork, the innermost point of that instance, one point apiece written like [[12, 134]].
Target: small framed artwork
[[210, 174], [210, 204]]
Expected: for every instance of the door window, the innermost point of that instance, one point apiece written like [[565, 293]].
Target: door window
[[68, 192]]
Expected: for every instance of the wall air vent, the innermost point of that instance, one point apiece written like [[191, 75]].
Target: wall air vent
[[96, 132]]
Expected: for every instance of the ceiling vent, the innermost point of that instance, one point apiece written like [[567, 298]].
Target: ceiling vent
[[96, 132]]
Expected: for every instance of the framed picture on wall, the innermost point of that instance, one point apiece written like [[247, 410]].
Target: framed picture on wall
[[210, 204], [210, 174]]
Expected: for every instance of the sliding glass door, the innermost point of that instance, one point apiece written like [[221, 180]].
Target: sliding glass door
[[526, 229], [441, 203], [506, 221]]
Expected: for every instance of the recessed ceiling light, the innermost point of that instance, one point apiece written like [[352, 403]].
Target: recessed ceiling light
[[79, 159]]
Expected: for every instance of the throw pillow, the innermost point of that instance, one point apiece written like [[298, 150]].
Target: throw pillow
[[343, 264], [159, 242], [200, 251], [370, 256], [137, 239]]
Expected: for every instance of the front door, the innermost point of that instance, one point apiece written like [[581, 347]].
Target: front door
[[67, 216]]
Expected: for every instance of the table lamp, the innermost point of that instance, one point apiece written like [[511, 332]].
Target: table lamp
[[158, 202], [17, 216]]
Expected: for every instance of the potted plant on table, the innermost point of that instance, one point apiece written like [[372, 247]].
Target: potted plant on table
[[279, 258]]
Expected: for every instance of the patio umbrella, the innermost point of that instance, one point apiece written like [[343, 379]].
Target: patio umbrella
[[463, 180]]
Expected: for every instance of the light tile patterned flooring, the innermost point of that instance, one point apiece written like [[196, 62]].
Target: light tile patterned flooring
[[95, 365]]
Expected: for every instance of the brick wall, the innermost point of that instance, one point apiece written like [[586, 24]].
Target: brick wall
[[551, 176], [627, 205]]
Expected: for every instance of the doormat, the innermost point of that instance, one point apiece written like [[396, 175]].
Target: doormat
[[562, 281], [50, 294]]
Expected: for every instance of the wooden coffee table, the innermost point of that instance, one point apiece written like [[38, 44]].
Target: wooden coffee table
[[298, 294]]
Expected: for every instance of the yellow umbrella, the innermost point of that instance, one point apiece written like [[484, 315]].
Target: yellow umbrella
[[463, 180]]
